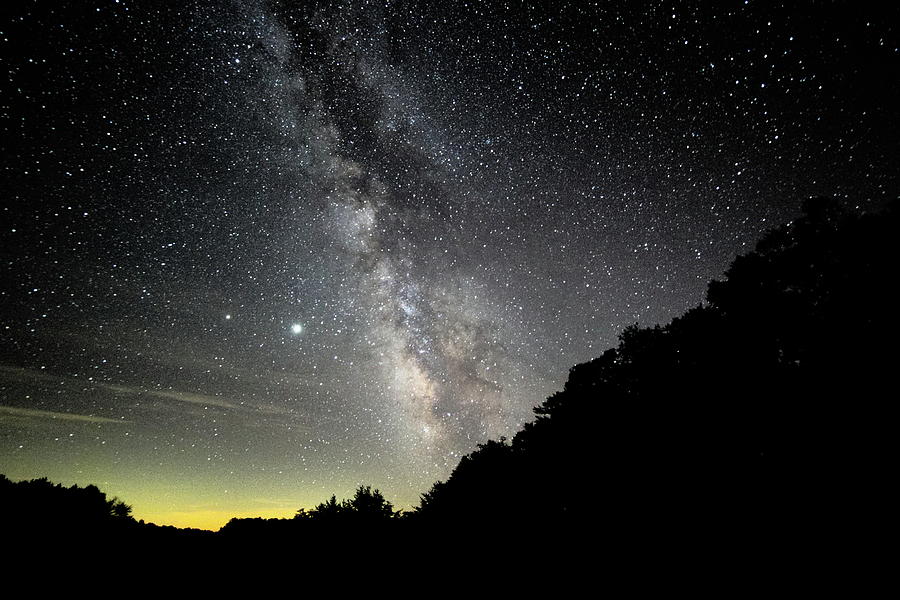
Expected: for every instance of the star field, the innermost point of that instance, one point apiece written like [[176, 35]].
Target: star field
[[256, 253]]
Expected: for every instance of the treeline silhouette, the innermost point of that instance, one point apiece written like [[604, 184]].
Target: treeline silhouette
[[39, 510], [762, 415], [367, 513], [42, 503]]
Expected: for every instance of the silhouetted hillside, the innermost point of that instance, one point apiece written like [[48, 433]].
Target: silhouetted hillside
[[40, 505], [763, 412], [39, 511]]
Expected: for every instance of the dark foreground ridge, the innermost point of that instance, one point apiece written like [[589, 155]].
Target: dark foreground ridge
[[758, 420], [761, 416]]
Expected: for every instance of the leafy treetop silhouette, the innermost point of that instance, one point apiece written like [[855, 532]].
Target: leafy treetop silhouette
[[770, 390]]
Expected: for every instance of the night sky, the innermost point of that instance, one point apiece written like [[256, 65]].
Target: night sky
[[256, 253]]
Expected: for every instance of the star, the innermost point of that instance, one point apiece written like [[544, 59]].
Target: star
[[429, 208]]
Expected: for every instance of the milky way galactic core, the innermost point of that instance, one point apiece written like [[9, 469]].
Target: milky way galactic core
[[256, 253]]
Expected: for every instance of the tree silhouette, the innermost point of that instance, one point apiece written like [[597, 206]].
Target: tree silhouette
[[118, 508], [369, 504], [330, 509], [760, 411], [331, 522], [43, 509]]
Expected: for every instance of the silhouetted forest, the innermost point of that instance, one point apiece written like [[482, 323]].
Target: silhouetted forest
[[762, 415], [41, 511]]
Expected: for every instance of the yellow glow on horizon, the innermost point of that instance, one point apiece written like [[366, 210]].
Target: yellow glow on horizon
[[210, 519], [202, 501]]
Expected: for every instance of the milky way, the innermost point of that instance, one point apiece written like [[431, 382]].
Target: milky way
[[255, 253]]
